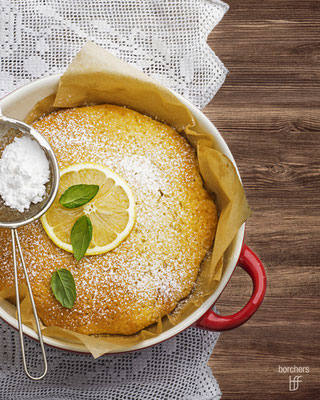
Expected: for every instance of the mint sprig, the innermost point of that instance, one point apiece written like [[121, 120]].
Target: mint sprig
[[63, 287], [78, 195], [81, 235]]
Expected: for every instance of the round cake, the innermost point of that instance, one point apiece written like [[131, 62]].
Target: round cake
[[130, 287]]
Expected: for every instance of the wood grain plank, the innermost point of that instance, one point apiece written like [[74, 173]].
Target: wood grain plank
[[268, 111]]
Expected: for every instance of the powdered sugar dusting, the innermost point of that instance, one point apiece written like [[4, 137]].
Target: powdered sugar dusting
[[24, 171], [144, 173], [144, 277]]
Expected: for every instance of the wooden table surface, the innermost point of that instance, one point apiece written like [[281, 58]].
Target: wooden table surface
[[268, 111]]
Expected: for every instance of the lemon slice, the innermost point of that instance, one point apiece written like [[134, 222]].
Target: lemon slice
[[111, 211]]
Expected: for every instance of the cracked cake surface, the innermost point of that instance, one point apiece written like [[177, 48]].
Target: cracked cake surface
[[130, 287]]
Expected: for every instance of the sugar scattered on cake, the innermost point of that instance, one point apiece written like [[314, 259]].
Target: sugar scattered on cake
[[24, 172], [158, 262]]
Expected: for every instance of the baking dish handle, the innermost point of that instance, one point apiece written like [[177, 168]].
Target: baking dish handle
[[250, 262]]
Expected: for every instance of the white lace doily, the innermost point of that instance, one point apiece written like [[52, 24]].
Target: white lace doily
[[173, 370], [164, 38], [167, 40]]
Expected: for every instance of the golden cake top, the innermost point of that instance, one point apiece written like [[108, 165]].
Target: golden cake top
[[143, 278]]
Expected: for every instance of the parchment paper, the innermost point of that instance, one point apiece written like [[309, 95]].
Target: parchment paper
[[96, 77]]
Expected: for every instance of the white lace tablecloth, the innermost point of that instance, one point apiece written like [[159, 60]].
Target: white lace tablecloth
[[175, 369], [167, 40], [164, 38]]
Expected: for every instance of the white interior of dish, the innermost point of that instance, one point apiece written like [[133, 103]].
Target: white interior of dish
[[17, 105]]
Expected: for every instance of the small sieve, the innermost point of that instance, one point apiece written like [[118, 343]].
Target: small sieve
[[19, 219]]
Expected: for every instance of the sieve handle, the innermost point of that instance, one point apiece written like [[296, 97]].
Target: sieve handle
[[15, 240]]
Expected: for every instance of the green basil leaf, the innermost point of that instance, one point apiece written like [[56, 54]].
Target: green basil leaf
[[81, 235], [63, 287], [78, 195]]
